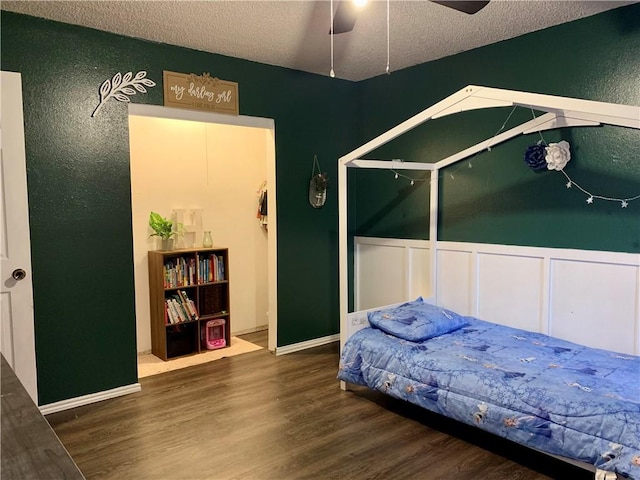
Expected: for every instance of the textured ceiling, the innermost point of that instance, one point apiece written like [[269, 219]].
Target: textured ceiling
[[294, 34]]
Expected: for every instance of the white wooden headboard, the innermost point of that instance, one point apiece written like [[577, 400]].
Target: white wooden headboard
[[588, 297]]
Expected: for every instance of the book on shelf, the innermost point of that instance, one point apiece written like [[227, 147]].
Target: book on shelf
[[210, 268], [179, 272], [171, 312], [189, 305], [180, 308], [182, 313]]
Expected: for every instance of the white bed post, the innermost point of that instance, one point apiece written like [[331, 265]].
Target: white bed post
[[433, 234], [343, 253]]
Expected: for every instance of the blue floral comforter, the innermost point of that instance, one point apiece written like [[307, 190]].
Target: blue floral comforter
[[553, 395]]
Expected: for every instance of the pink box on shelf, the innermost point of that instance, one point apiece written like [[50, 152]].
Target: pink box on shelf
[[213, 334]]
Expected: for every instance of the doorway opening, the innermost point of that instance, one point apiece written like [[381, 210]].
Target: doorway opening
[[220, 166]]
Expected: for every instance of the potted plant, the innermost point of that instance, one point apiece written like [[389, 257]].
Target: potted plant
[[163, 228]]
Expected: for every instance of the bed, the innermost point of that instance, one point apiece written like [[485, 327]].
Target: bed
[[578, 403], [553, 395]]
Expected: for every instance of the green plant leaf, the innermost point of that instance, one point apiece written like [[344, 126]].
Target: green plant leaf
[[163, 227], [160, 225]]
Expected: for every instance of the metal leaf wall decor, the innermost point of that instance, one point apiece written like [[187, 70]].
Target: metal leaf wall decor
[[121, 87]]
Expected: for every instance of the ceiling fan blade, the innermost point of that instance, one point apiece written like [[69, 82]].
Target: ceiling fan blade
[[345, 17], [470, 7]]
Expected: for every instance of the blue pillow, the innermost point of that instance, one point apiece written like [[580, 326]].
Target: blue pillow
[[416, 321]]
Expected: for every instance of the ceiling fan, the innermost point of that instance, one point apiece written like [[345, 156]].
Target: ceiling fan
[[347, 12]]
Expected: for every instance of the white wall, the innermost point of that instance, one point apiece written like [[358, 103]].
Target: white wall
[[219, 168], [587, 297]]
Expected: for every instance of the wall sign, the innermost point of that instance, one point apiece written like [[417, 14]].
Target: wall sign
[[200, 92]]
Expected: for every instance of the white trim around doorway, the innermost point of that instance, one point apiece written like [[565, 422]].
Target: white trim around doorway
[[244, 121]]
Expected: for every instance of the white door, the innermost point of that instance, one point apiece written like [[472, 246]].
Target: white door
[[16, 300]]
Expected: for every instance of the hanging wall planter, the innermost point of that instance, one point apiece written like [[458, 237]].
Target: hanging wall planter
[[318, 185]]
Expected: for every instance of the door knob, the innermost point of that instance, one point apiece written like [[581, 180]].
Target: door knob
[[19, 274]]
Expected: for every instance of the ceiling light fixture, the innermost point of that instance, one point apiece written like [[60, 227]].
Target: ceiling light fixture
[[332, 32]]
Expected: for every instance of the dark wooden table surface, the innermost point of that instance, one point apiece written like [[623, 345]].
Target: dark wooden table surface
[[30, 447]]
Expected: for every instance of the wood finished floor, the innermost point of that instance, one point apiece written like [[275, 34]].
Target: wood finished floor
[[260, 417]]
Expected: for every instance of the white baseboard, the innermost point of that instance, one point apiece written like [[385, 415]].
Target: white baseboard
[[316, 342], [87, 399], [250, 330]]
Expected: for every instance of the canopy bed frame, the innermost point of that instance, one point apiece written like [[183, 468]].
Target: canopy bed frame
[[560, 112]]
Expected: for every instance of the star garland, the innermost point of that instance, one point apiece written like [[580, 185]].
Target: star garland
[[556, 156], [397, 174], [469, 164], [539, 157], [624, 202]]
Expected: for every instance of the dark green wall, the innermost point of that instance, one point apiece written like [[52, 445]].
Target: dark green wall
[[79, 192], [79, 184], [500, 200]]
